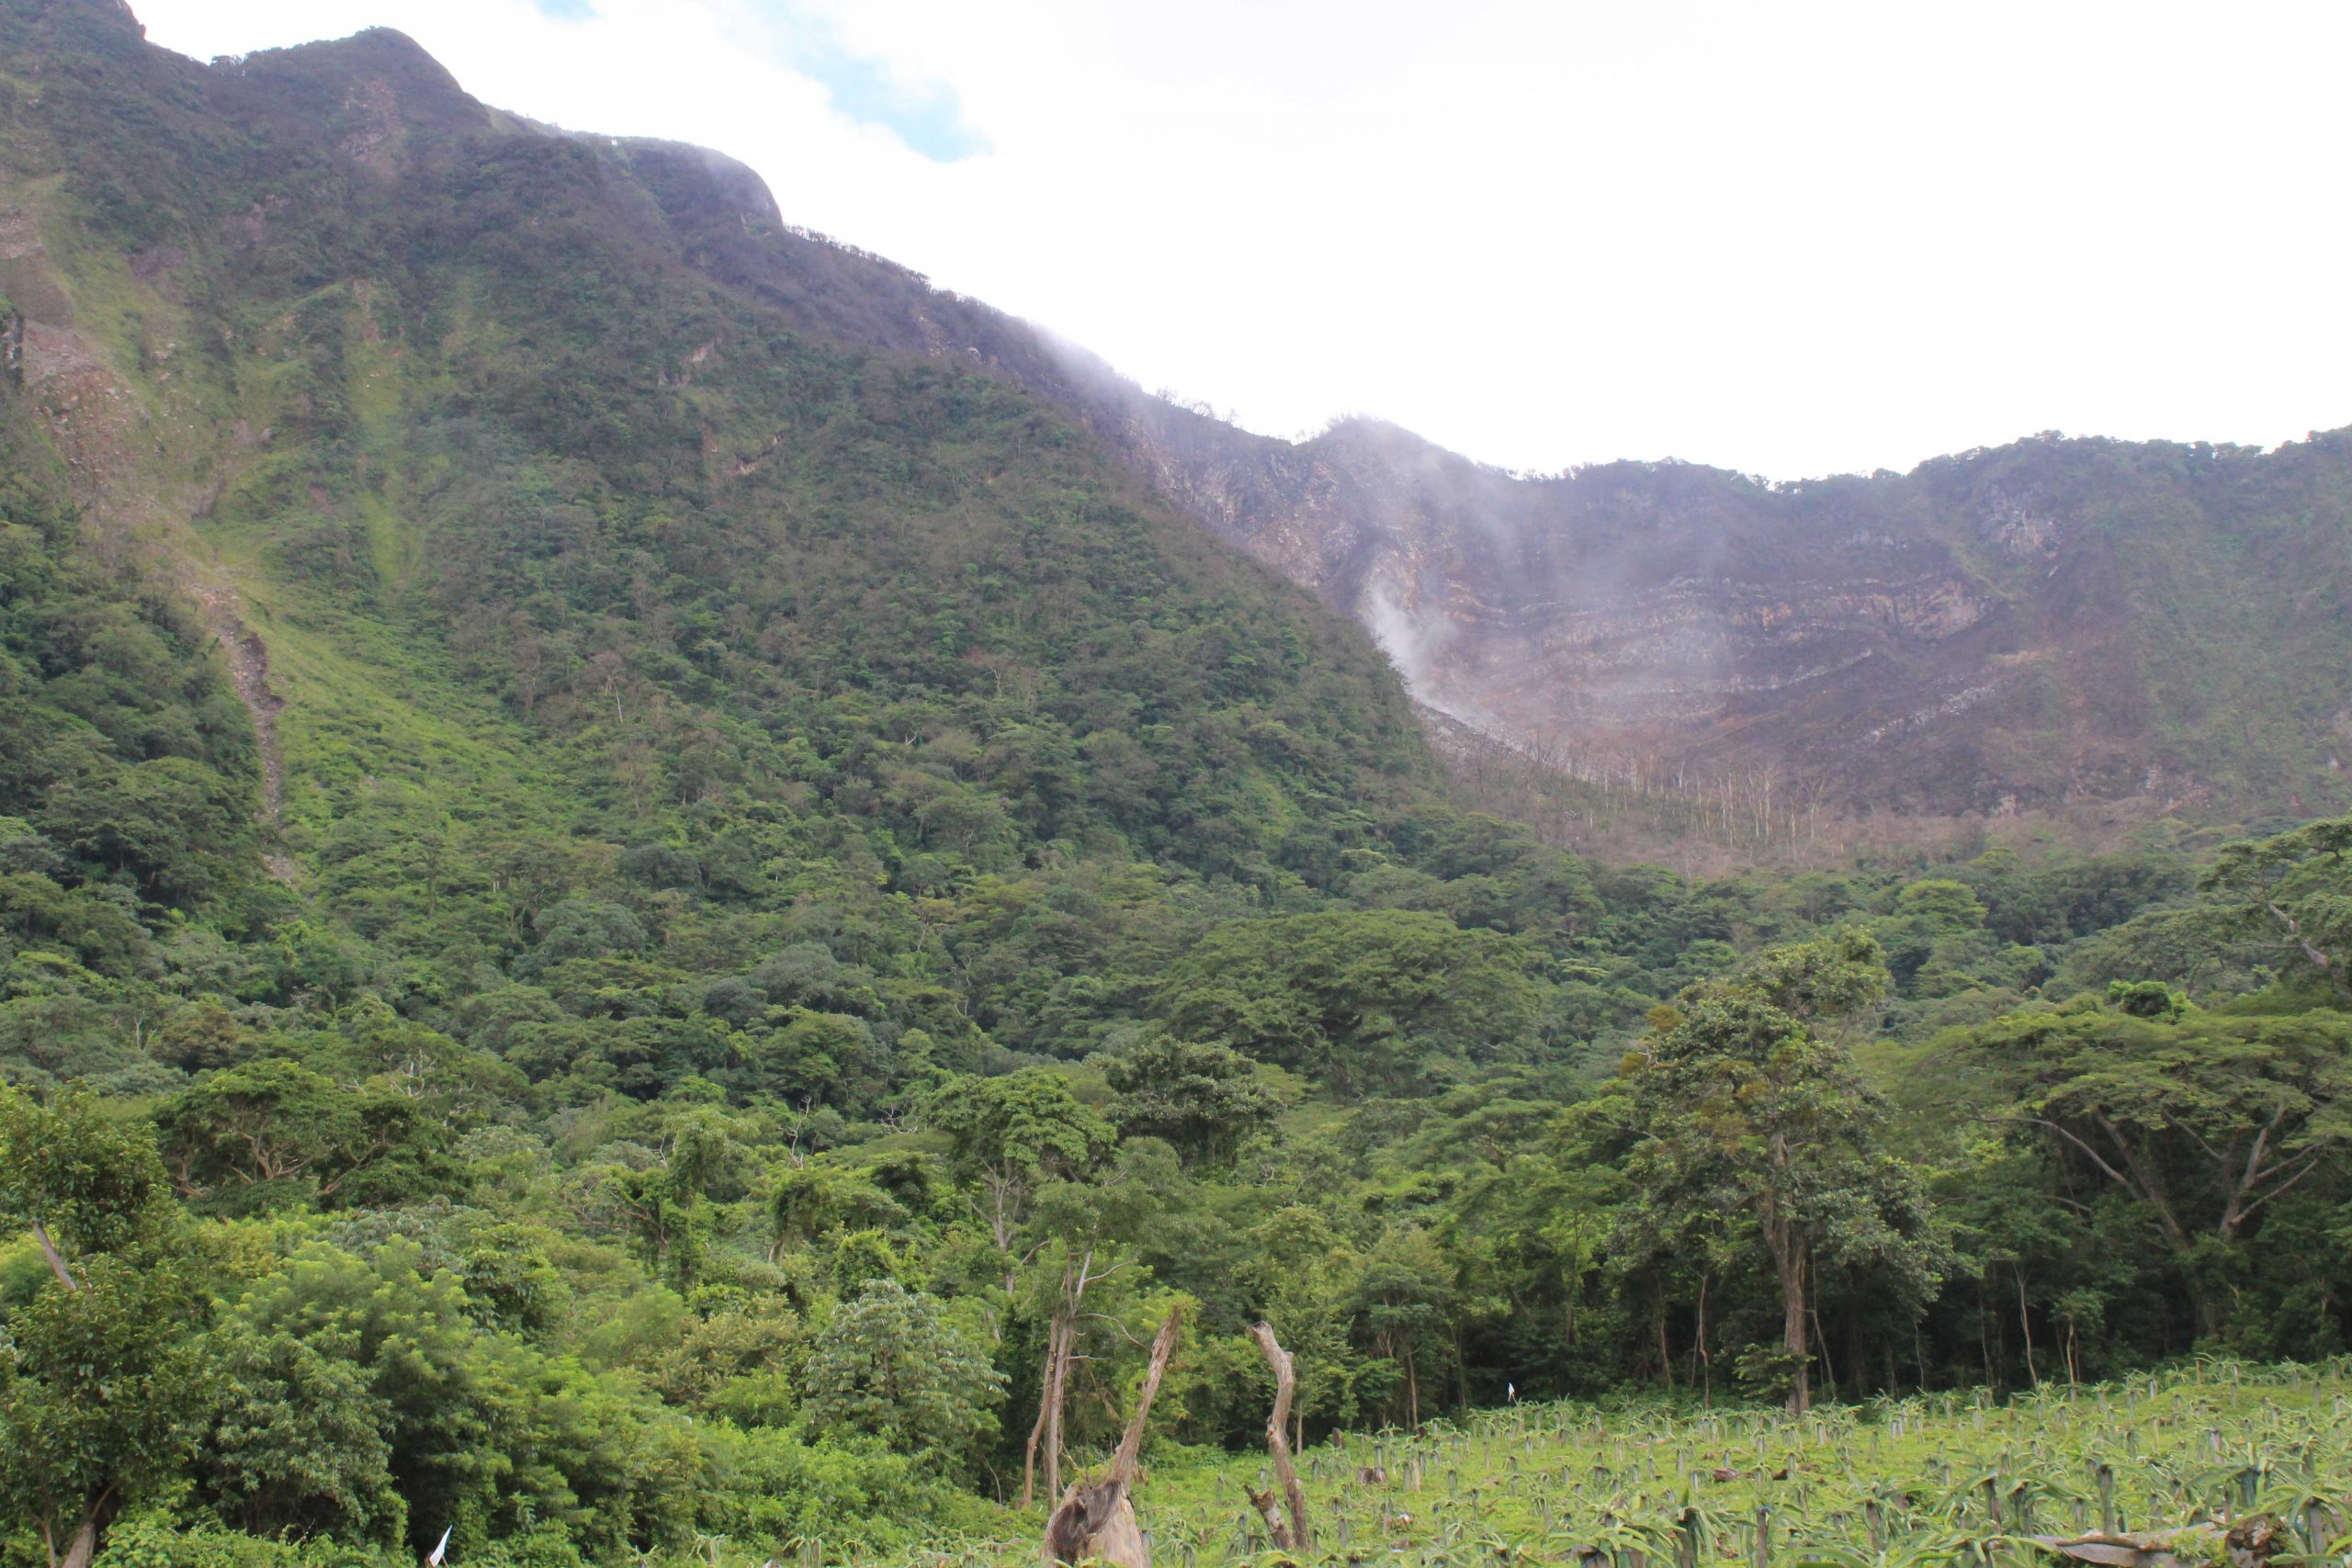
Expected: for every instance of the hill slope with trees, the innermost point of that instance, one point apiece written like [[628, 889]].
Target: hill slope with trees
[[632, 909]]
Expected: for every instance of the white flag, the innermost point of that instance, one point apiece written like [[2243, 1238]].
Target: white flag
[[439, 1552]]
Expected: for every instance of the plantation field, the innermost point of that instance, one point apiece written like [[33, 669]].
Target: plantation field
[[1945, 1478]]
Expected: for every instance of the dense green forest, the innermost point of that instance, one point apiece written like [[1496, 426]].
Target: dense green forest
[[619, 920]]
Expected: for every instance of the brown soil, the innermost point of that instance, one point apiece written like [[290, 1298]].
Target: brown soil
[[249, 672]]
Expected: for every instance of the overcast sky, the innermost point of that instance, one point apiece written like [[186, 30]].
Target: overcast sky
[[1786, 236]]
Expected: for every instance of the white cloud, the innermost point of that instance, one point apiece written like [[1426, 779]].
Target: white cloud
[[1788, 238]]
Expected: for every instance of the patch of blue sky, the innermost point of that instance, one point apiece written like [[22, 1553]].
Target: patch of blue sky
[[929, 119], [927, 116]]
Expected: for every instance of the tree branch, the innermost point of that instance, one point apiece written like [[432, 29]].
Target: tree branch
[[1124, 1465], [56, 1264], [2310, 1162]]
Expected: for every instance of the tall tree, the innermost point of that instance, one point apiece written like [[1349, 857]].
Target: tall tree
[[1204, 1099], [2295, 890], [1364, 999], [1752, 1114], [1012, 1134]]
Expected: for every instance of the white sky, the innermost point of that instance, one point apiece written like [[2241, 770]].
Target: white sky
[[1785, 236]]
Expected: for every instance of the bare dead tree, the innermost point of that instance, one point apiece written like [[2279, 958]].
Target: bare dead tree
[[1053, 1394], [1291, 1534], [1096, 1520], [1048, 1402]]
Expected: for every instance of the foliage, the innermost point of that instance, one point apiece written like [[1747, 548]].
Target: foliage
[[2198, 1121], [889, 1366], [1204, 1099], [1377, 1000], [744, 884], [1748, 1118]]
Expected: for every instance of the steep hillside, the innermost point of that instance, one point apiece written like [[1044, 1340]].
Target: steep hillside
[[2048, 622], [510, 517], [2045, 624]]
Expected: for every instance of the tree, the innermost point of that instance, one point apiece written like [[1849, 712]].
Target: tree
[[97, 1381], [1750, 1115], [2200, 1119], [1382, 999], [296, 1436], [2295, 892], [1406, 1298], [889, 1366], [479, 1429], [1204, 1099], [1013, 1133], [1305, 1276], [274, 1125], [808, 1201], [76, 1180]]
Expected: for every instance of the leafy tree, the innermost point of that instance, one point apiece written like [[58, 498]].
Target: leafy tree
[[481, 1430], [1406, 1297], [296, 1435], [97, 1383], [734, 1363], [1204, 1099], [661, 1204], [889, 1366], [1303, 1275], [98, 1392], [272, 1129], [2200, 1119], [79, 1181], [808, 1201], [1012, 1134], [1748, 1115], [2293, 891], [1384, 998]]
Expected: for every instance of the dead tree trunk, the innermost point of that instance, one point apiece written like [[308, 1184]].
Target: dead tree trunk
[[1061, 1350], [1096, 1520], [1048, 1402], [1290, 1536]]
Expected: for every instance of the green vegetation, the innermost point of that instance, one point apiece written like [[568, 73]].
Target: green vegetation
[[2186, 1454], [742, 914]]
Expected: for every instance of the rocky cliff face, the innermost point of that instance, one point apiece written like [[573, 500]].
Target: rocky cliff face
[[2042, 624], [2046, 622]]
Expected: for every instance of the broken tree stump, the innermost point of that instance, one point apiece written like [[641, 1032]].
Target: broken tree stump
[[1096, 1521]]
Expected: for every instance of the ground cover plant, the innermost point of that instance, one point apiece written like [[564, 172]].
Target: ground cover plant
[[1948, 1478]]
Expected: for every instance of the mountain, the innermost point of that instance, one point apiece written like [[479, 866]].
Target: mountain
[[394, 382], [2047, 623], [587, 553], [2028, 627], [659, 896]]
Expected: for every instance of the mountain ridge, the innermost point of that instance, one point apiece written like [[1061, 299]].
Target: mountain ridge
[[1993, 632], [1867, 644]]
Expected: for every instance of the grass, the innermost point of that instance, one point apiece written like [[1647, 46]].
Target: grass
[[1948, 1478]]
